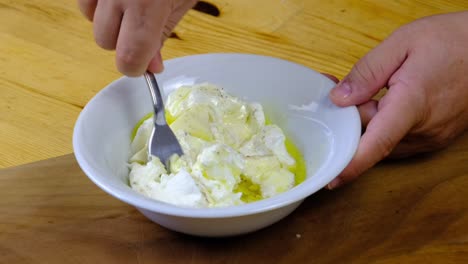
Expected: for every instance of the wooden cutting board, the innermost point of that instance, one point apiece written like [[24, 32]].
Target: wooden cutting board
[[411, 211]]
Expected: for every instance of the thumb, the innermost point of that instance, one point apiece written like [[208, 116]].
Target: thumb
[[372, 72], [394, 118], [156, 64]]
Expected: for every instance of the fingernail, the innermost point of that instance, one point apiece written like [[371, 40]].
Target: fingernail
[[334, 184], [342, 90]]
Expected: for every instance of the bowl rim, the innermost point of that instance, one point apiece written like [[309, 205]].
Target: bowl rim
[[296, 194]]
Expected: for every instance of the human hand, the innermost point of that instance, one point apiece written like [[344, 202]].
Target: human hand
[[136, 29], [425, 67]]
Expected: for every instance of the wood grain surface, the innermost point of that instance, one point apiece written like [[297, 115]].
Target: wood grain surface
[[50, 66], [411, 211]]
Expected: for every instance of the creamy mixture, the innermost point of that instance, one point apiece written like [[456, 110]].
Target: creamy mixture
[[231, 155]]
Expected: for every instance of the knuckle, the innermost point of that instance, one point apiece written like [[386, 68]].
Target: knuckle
[[385, 145], [129, 62], [104, 43], [128, 56], [364, 72], [140, 4]]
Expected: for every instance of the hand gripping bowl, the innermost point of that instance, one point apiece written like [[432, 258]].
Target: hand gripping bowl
[[294, 97]]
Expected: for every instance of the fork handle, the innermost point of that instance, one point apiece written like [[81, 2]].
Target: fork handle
[[156, 97]]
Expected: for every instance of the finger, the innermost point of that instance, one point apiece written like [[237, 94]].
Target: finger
[[140, 38], [107, 19], [331, 77], [367, 111], [383, 133], [372, 72], [176, 15], [156, 64], [87, 8]]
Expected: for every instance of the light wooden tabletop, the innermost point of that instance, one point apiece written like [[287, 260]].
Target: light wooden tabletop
[[409, 211], [50, 66]]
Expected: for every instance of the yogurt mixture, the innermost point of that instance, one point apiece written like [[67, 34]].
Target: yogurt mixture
[[231, 154]]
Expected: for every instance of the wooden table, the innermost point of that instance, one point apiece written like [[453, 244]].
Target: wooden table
[[50, 66], [412, 211]]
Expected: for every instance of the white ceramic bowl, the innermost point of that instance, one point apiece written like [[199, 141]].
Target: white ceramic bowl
[[294, 97]]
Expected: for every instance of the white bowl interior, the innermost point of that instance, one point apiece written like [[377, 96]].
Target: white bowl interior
[[294, 97]]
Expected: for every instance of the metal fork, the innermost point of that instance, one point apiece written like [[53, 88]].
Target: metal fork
[[162, 143]]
